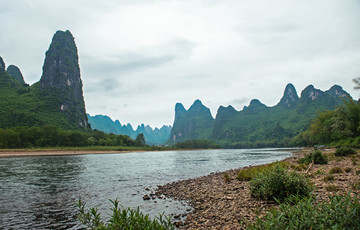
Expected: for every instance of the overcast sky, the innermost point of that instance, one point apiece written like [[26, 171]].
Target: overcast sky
[[138, 58]]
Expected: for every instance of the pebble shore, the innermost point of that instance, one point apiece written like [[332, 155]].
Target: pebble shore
[[221, 204]]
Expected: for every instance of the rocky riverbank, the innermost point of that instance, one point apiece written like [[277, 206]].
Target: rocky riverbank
[[226, 204]]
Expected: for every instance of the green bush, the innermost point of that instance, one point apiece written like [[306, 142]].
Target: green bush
[[122, 218], [338, 213], [316, 156], [227, 178], [344, 151], [278, 183]]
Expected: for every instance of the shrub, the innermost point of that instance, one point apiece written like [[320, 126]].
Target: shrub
[[122, 218], [278, 184], [316, 156], [344, 151], [338, 213], [227, 178], [335, 170]]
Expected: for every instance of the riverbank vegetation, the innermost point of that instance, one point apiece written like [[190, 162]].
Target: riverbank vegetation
[[122, 218], [339, 127], [52, 138], [197, 144]]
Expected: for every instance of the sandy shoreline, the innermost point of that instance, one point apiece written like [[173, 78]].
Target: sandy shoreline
[[29, 153]]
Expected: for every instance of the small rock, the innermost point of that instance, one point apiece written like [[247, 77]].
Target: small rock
[[146, 197]]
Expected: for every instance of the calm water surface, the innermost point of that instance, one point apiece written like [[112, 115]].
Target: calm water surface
[[39, 192]]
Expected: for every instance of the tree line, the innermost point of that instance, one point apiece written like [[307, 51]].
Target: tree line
[[51, 136], [339, 127]]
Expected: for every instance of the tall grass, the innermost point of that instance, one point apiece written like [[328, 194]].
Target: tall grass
[[341, 212], [122, 218]]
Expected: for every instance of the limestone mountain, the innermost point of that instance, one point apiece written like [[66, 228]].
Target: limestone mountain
[[290, 97], [2, 65], [15, 72], [61, 77], [258, 125], [152, 136], [195, 123], [57, 99]]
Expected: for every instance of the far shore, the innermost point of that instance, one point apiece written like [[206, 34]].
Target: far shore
[[58, 152], [49, 152]]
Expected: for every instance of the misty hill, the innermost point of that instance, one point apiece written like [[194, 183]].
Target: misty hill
[[257, 125], [195, 123], [57, 99], [152, 136]]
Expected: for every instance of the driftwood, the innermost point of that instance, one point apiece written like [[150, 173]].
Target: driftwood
[[309, 167]]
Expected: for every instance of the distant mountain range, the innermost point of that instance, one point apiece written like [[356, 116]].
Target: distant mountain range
[[257, 125], [57, 99], [152, 136]]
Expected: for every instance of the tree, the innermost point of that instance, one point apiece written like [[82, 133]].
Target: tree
[[140, 140]]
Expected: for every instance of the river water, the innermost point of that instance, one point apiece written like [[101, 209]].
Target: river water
[[40, 192]]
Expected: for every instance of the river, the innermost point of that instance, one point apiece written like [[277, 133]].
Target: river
[[40, 192]]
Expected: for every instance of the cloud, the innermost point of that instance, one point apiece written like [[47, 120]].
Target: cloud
[[150, 54]]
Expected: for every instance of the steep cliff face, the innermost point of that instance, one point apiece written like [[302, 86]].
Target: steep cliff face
[[337, 91], [290, 98], [61, 77], [2, 65], [15, 72], [195, 123], [311, 94], [257, 125]]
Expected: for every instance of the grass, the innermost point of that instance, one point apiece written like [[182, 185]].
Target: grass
[[248, 174], [341, 212], [345, 151], [316, 157], [227, 178], [122, 218]]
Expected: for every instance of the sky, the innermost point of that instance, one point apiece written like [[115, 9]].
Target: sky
[[138, 58]]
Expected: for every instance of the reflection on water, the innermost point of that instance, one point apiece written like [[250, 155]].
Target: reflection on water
[[39, 192]]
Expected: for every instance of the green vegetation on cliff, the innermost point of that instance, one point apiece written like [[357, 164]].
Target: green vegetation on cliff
[[257, 125], [57, 99]]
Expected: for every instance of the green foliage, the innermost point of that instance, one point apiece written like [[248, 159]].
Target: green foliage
[[247, 174], [140, 140], [341, 212], [278, 184], [50, 136], [197, 144], [227, 178], [316, 156], [344, 151], [122, 218], [341, 126], [276, 126]]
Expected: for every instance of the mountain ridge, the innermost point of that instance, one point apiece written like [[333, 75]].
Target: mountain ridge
[[258, 122], [152, 136]]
